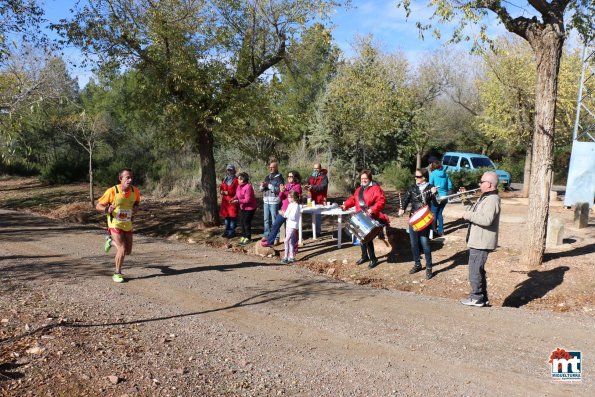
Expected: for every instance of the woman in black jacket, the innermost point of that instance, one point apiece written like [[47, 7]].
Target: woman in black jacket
[[420, 195]]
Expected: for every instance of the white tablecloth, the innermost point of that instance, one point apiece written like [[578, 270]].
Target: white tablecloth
[[319, 210]]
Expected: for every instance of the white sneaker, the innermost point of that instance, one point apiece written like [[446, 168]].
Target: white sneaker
[[472, 302]]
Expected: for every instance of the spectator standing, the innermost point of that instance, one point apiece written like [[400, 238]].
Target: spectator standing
[[368, 197], [247, 202], [420, 195], [317, 187], [292, 215], [293, 185], [270, 188], [228, 210], [482, 237], [439, 178]]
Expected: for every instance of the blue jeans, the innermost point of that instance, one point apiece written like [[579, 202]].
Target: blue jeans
[[438, 218], [422, 238], [230, 225], [274, 233], [270, 214]]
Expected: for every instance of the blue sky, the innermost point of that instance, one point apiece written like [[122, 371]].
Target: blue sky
[[381, 18]]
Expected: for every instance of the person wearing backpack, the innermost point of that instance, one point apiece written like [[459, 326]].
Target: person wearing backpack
[[120, 203]]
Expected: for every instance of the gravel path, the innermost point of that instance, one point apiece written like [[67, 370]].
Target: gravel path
[[194, 320]]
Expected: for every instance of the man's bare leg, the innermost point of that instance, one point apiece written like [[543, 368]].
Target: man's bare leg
[[119, 241], [128, 243]]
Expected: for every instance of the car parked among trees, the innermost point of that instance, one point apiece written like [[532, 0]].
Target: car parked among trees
[[460, 161]]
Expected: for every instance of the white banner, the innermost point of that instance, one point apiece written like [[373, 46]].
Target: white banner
[[580, 185]]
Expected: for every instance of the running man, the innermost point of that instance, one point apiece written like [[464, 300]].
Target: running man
[[120, 203]]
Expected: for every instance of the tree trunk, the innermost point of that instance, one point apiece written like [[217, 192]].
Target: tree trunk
[[527, 173], [208, 180], [547, 44], [329, 165], [91, 193]]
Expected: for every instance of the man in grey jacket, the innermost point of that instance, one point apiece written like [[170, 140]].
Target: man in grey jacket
[[270, 188], [482, 237]]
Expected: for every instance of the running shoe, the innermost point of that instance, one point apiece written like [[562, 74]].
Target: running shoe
[[118, 277], [108, 244]]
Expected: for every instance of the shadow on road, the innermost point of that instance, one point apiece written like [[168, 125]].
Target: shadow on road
[[23, 227], [451, 227], [167, 270], [578, 251], [7, 371], [458, 259], [536, 286], [292, 290]]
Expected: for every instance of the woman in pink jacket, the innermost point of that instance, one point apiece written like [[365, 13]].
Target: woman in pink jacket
[[245, 197]]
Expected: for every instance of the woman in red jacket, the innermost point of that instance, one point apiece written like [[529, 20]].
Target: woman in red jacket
[[368, 197], [229, 210]]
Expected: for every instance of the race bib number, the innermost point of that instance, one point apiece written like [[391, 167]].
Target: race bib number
[[124, 215]]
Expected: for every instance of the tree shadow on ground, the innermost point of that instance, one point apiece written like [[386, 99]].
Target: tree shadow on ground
[[458, 259], [22, 227], [578, 251], [536, 286], [7, 371], [167, 270], [293, 290], [453, 226]]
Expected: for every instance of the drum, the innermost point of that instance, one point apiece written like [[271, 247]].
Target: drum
[[421, 219], [363, 226]]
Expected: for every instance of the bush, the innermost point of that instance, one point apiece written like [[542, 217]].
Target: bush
[[106, 174], [19, 168], [467, 179], [515, 167], [64, 169], [396, 176]]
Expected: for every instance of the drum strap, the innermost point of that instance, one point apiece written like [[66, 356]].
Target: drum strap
[[362, 203]]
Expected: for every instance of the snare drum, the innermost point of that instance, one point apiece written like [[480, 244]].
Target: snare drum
[[363, 226], [421, 219]]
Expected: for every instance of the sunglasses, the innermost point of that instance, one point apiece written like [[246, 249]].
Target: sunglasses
[[290, 176], [480, 182], [419, 176]]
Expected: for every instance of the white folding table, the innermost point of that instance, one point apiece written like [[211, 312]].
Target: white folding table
[[319, 210]]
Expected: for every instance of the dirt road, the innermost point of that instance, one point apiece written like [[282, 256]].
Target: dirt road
[[194, 320]]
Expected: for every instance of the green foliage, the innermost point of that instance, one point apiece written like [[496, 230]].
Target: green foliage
[[66, 168], [18, 168], [396, 176], [507, 92], [360, 117], [515, 166], [21, 17], [466, 179]]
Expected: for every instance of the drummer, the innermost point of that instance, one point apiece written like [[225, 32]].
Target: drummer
[[368, 197], [420, 195]]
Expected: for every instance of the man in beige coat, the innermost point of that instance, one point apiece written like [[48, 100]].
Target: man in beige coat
[[482, 237]]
